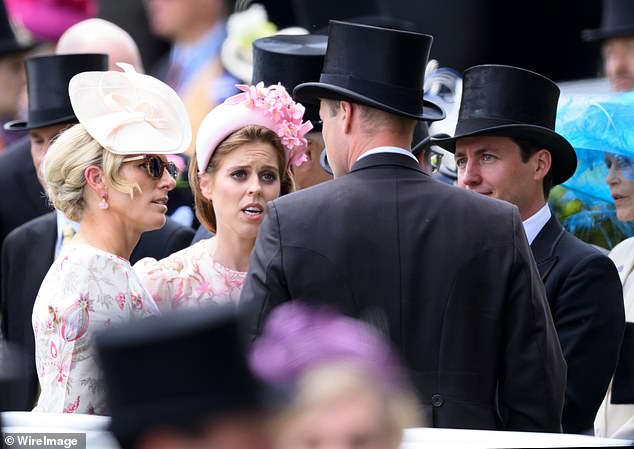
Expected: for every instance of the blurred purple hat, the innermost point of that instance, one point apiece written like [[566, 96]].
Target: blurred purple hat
[[46, 20], [298, 337]]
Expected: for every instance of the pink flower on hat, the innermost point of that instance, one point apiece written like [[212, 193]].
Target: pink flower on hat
[[277, 105]]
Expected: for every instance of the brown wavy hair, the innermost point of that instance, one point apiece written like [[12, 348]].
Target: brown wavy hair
[[248, 134]]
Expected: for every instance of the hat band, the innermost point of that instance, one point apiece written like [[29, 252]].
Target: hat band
[[471, 125], [46, 115], [410, 100]]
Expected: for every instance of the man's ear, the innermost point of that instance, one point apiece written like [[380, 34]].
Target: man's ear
[[347, 111], [95, 180], [544, 162]]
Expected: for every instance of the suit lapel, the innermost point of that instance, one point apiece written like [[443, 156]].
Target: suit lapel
[[543, 247], [42, 246], [26, 178]]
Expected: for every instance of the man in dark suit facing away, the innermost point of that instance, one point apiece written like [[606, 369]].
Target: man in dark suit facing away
[[446, 274], [505, 147]]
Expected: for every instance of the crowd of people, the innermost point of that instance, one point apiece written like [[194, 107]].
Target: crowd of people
[[317, 280]]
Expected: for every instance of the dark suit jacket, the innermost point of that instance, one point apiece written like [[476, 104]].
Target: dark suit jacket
[[586, 302], [27, 255], [23, 197], [446, 273]]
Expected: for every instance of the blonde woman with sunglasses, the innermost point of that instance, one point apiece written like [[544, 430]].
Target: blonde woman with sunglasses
[[109, 173]]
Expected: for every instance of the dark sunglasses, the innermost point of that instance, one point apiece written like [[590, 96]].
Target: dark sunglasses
[[155, 166]]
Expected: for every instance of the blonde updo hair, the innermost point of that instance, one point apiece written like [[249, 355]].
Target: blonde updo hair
[[64, 164], [248, 134]]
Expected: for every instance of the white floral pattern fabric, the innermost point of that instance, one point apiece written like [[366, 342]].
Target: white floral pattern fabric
[[85, 290], [190, 278]]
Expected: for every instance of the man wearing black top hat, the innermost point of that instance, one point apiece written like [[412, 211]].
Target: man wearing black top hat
[[182, 381], [616, 35], [506, 148], [29, 250], [446, 274]]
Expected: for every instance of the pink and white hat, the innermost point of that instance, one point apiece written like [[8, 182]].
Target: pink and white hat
[[130, 113], [271, 107]]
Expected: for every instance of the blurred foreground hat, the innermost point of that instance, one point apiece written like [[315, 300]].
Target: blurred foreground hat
[[290, 60], [499, 100], [47, 79], [178, 370], [379, 67], [130, 113], [47, 20], [299, 336], [617, 19]]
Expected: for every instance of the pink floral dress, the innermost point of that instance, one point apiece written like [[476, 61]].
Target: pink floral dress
[[85, 290], [190, 278]]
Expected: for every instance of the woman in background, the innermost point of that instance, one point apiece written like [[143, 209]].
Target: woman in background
[[349, 390], [602, 132]]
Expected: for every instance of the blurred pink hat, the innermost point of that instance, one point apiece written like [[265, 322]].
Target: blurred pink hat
[[271, 107], [130, 113], [46, 20]]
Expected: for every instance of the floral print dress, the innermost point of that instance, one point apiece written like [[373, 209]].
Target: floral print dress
[[85, 290], [190, 278]]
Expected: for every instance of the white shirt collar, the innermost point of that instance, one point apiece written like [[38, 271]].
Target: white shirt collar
[[388, 149], [535, 223]]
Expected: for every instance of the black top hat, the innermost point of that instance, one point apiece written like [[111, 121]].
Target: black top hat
[[617, 19], [8, 42], [378, 67], [47, 79], [290, 60], [500, 100], [420, 138], [178, 370]]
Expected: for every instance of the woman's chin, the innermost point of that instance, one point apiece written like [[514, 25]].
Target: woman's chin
[[625, 214], [158, 223]]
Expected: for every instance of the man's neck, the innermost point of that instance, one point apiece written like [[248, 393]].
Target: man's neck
[[365, 144], [530, 210]]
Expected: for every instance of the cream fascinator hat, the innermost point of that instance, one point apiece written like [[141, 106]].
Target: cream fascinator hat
[[271, 107], [130, 113]]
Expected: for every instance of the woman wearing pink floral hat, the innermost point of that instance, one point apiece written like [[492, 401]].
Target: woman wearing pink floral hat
[[244, 150]]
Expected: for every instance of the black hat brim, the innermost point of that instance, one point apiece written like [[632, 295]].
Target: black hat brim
[[23, 125], [599, 34], [564, 158], [312, 92]]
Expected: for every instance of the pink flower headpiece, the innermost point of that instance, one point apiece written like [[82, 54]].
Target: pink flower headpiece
[[271, 107]]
